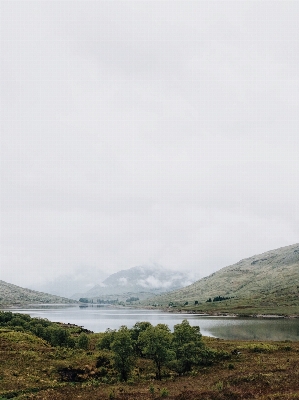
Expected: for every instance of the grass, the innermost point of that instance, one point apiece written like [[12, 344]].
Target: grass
[[270, 304], [31, 369]]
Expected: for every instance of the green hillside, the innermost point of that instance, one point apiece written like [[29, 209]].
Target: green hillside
[[18, 296], [264, 283]]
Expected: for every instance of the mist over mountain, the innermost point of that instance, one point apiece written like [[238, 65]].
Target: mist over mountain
[[80, 280], [15, 295], [265, 281], [143, 281]]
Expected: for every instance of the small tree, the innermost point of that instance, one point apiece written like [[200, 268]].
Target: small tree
[[83, 300], [135, 332], [106, 339], [187, 344], [56, 336], [156, 345], [122, 346], [83, 341]]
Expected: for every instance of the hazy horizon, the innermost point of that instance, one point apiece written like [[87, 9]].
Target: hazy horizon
[[138, 133]]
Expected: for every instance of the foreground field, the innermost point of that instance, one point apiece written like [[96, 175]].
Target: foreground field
[[30, 368]]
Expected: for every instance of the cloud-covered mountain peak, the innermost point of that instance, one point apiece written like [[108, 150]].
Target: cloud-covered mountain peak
[[141, 279], [149, 277]]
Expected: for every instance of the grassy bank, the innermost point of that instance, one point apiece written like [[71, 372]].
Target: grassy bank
[[287, 306]]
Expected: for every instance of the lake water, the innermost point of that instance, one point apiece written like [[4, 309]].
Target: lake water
[[98, 319]]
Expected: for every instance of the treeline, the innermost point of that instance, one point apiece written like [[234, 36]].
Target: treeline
[[218, 298], [99, 301], [132, 299], [196, 302], [102, 301], [179, 350], [54, 333]]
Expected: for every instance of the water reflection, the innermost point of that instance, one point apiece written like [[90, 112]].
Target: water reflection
[[98, 319], [259, 329]]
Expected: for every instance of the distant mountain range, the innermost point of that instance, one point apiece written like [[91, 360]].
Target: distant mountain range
[[18, 296], [264, 283], [141, 281], [268, 281]]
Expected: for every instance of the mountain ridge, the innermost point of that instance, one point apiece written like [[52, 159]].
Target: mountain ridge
[[269, 277], [11, 294]]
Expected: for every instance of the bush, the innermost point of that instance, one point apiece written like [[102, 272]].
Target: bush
[[103, 360], [164, 392], [83, 341], [152, 390], [262, 348], [107, 339]]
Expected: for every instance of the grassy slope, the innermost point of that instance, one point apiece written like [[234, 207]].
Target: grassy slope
[[29, 370], [16, 295], [265, 283]]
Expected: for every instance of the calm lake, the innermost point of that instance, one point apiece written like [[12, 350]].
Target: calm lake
[[98, 319]]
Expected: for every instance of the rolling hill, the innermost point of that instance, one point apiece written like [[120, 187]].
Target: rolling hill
[[264, 283], [17, 296]]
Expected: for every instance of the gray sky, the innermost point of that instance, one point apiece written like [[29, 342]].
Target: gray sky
[[138, 132]]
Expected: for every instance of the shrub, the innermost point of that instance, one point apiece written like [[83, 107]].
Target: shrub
[[107, 339], [152, 390], [103, 360], [262, 348], [83, 341], [219, 386], [164, 392]]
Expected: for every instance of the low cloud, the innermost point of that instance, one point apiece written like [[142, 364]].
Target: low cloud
[[123, 281]]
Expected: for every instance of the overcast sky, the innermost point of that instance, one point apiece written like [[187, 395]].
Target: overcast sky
[[139, 132]]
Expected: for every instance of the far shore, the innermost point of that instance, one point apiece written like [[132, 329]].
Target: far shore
[[7, 307], [215, 313]]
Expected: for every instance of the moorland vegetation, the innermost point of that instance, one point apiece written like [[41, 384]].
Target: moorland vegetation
[[40, 359]]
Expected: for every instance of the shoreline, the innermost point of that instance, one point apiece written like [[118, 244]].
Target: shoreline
[[166, 309], [223, 314]]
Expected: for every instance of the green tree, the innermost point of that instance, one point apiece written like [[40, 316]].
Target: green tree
[[135, 332], [187, 344], [83, 341], [122, 346], [156, 345], [106, 339], [83, 300], [56, 336]]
